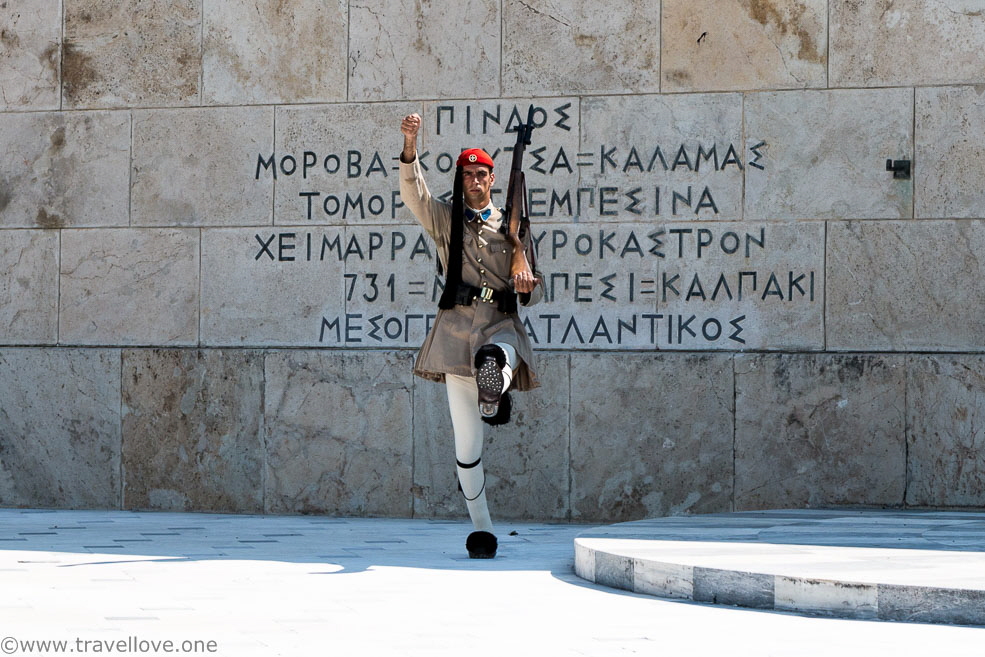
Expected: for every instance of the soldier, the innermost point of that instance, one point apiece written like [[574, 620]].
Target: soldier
[[477, 345]]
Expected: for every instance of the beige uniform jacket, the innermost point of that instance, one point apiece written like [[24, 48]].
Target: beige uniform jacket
[[458, 332]]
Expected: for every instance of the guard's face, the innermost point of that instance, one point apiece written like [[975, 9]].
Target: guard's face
[[477, 182]]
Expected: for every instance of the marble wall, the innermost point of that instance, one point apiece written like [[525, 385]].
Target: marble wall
[[201, 238]]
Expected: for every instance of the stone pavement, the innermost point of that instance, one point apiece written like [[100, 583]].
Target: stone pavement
[[303, 585]]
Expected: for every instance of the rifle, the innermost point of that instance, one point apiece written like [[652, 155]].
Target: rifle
[[516, 210]]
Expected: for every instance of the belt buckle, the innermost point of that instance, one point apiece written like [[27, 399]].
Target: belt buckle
[[486, 294]]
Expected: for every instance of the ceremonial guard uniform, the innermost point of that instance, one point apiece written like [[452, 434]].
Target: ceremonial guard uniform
[[459, 332], [477, 345]]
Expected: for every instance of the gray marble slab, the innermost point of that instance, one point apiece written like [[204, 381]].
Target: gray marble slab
[[281, 286], [946, 450], [905, 286], [193, 430], [741, 286], [142, 53], [650, 435], [28, 286], [259, 53], [614, 571], [711, 45], [667, 157], [337, 432], [60, 428], [65, 169], [726, 587], [591, 51], [409, 52], [390, 287], [30, 58], [816, 430], [950, 122], [197, 167], [337, 164], [129, 286], [812, 142], [906, 43], [600, 287], [931, 605]]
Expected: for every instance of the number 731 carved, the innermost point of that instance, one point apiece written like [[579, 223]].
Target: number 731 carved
[[373, 287]]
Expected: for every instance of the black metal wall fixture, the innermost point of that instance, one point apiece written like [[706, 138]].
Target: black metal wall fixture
[[900, 169]]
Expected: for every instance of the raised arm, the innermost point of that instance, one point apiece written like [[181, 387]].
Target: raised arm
[[431, 213]]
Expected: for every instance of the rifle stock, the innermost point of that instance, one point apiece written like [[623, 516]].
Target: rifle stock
[[517, 214]]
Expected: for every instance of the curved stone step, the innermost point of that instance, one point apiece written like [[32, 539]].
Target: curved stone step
[[920, 566]]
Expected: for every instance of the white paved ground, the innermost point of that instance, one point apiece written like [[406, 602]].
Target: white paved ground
[[318, 586]]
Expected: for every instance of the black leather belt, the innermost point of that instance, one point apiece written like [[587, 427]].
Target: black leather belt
[[505, 300]]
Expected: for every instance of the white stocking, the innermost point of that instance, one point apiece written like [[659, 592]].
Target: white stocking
[[463, 401]]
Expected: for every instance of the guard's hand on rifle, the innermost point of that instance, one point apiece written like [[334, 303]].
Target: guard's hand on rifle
[[525, 282], [410, 126]]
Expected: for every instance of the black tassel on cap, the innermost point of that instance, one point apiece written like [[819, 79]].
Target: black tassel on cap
[[454, 275]]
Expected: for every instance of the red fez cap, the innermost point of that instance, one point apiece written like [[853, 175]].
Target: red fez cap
[[475, 156]]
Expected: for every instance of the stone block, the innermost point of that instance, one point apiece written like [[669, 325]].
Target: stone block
[[613, 570], [818, 430], [729, 587], [192, 430], [65, 169], [946, 455], [651, 435], [60, 428], [390, 286], [525, 461], [338, 432], [338, 164], [901, 43], [131, 53], [931, 605], [827, 597], [612, 51], [665, 580], [813, 142], [354, 287], [905, 286], [273, 287], [950, 152], [28, 286], [661, 158], [258, 53], [741, 286], [198, 167], [410, 51], [600, 287], [712, 45], [129, 286], [30, 56], [584, 560]]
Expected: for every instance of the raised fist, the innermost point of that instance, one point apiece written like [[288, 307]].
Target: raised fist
[[411, 125]]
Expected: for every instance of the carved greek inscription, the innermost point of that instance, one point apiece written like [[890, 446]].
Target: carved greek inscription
[[627, 258], [630, 286], [354, 184], [655, 200]]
